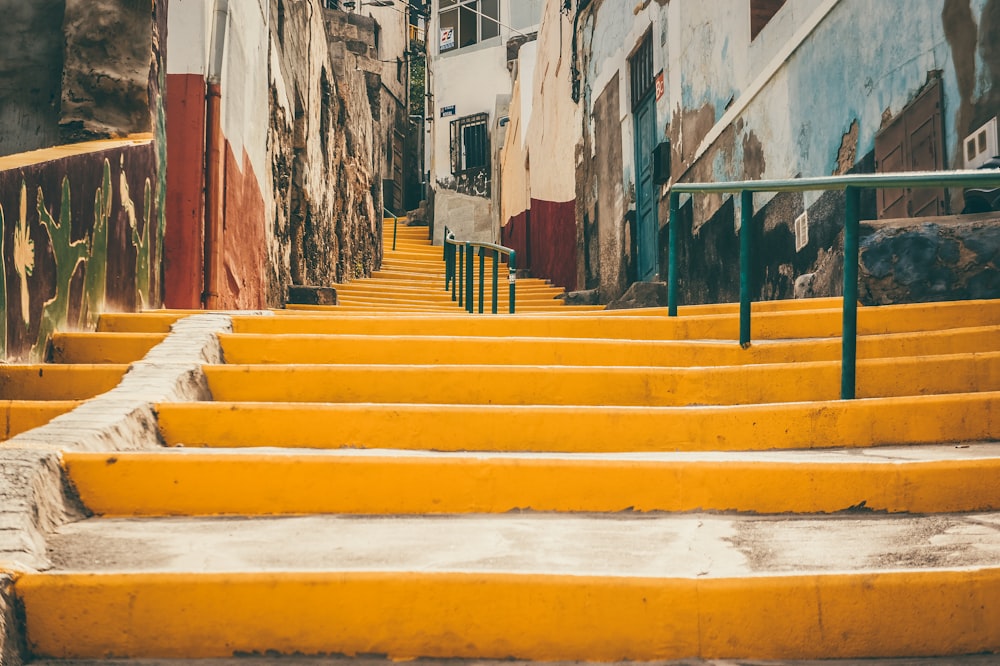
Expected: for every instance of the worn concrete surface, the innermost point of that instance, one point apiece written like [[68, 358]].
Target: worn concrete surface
[[633, 545]]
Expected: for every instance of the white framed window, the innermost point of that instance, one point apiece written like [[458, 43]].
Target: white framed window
[[466, 22]]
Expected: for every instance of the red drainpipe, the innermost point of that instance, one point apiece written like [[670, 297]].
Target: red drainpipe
[[214, 201]]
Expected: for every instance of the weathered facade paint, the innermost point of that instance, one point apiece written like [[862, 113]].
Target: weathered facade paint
[[184, 245], [77, 244], [793, 100], [544, 128]]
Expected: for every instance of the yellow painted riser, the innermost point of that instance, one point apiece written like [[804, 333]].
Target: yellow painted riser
[[22, 415], [102, 347], [58, 382], [564, 385], [767, 325], [250, 348], [854, 423], [196, 483], [540, 617]]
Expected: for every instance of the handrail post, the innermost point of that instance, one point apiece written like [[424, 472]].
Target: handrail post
[[461, 276], [848, 356], [672, 256], [746, 248], [496, 275], [394, 224], [482, 277], [511, 279], [454, 279], [468, 277]]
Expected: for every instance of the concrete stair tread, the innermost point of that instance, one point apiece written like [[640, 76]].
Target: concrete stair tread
[[621, 545], [254, 481]]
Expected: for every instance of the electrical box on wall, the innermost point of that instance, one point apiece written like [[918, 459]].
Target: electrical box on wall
[[661, 163], [981, 145]]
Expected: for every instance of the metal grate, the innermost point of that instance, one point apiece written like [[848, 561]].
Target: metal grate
[[641, 70]]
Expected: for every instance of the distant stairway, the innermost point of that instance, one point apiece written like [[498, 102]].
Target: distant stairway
[[396, 477], [412, 279]]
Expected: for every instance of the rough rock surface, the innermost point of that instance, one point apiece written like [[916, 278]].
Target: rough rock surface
[[309, 295], [642, 295], [105, 82], [930, 259], [584, 297], [324, 139], [12, 649]]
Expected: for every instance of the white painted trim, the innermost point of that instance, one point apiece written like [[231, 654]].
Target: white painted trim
[[773, 67]]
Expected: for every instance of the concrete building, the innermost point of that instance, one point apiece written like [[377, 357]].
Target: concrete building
[[742, 89], [472, 49]]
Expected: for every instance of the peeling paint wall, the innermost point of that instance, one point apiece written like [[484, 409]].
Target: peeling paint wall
[[805, 97], [821, 80], [538, 214]]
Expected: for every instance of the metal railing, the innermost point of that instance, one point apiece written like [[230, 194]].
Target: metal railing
[[395, 223], [459, 276], [852, 184]]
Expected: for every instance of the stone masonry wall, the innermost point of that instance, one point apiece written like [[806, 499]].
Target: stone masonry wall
[[324, 144]]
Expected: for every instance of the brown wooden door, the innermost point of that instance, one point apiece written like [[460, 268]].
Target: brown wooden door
[[913, 141]]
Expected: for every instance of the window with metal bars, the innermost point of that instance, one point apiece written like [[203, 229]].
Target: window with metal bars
[[641, 70], [470, 144]]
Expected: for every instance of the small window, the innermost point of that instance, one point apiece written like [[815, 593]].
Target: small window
[[761, 13], [641, 70], [470, 144], [467, 22]]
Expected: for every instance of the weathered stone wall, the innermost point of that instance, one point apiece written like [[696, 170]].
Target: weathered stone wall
[[30, 74], [108, 69], [932, 259], [325, 143]]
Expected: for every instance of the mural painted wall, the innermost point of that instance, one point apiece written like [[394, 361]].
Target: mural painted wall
[[81, 236]]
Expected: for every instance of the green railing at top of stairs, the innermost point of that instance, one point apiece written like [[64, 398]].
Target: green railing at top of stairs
[[852, 184], [458, 269]]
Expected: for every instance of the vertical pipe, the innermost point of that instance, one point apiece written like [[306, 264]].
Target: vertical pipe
[[482, 277], [512, 279], [461, 276], [496, 277], [672, 257], [849, 334], [214, 199], [468, 278], [746, 249]]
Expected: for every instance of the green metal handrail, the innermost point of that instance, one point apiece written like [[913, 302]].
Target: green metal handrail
[[852, 184], [395, 220], [461, 253]]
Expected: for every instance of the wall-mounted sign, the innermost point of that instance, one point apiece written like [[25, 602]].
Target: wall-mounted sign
[[659, 86], [447, 38], [447, 110]]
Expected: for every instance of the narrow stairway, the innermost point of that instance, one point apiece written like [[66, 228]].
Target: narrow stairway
[[545, 486], [412, 279]]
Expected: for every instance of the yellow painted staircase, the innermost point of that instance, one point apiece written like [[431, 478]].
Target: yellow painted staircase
[[550, 485], [412, 279]]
